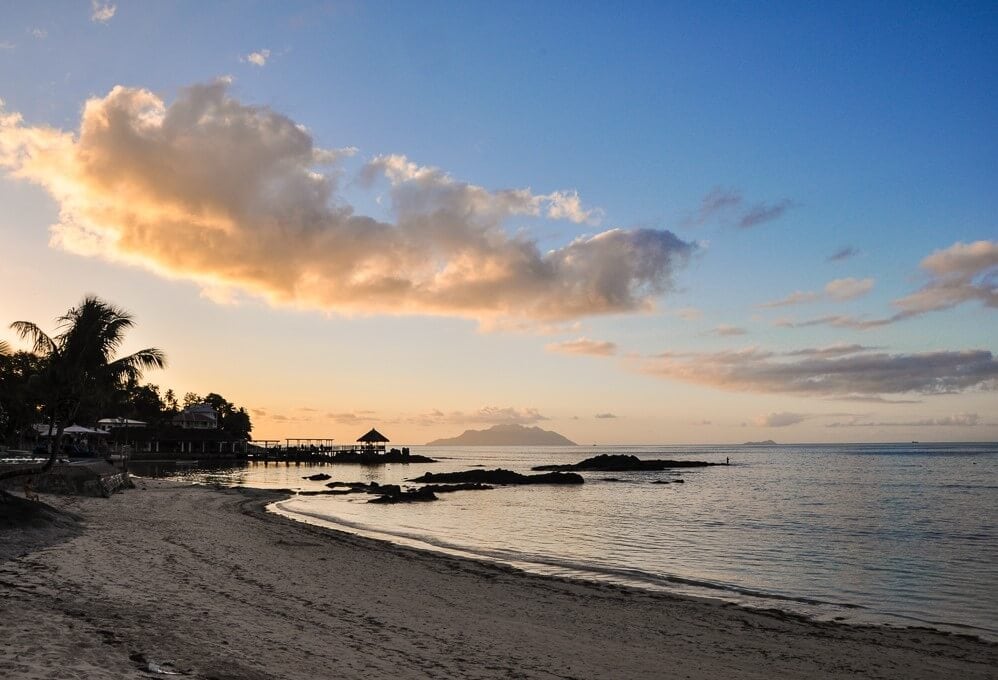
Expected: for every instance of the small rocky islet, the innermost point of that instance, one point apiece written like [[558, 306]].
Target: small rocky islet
[[434, 483], [606, 462]]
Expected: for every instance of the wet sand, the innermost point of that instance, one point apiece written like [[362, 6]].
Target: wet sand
[[210, 583]]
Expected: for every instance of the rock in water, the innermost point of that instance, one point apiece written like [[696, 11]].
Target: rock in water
[[498, 476], [625, 463]]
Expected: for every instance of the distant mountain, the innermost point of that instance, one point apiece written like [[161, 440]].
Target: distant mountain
[[506, 435], [768, 442]]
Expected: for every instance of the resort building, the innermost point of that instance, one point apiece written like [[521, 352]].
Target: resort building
[[197, 417]]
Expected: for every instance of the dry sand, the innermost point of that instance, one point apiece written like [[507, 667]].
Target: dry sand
[[207, 581]]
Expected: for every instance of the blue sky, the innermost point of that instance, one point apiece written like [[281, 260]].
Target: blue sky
[[852, 126]]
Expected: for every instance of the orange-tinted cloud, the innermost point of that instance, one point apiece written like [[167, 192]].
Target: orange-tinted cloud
[[600, 348], [232, 196]]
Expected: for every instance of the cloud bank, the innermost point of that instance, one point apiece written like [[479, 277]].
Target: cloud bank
[[839, 371], [231, 196]]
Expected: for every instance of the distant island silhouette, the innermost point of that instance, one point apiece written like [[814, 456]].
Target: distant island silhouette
[[506, 434], [767, 442]]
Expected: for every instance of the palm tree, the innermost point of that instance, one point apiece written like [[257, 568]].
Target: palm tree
[[80, 364]]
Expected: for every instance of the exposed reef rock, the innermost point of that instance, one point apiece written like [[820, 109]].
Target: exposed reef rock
[[318, 477], [392, 493], [625, 463], [498, 476]]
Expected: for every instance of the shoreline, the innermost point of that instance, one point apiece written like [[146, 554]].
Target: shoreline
[[765, 602], [211, 582]]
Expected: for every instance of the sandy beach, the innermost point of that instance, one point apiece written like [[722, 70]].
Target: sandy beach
[[205, 582]]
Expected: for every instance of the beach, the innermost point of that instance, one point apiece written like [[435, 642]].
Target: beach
[[205, 582]]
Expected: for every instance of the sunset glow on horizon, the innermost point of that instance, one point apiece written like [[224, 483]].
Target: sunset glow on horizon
[[343, 216]]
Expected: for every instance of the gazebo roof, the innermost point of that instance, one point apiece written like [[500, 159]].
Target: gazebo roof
[[373, 437]]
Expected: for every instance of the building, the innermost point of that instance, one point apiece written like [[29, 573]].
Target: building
[[197, 417], [108, 424]]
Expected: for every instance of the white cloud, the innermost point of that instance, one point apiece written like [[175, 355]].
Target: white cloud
[[5, 45], [212, 190], [102, 12], [258, 58], [848, 289], [39, 33]]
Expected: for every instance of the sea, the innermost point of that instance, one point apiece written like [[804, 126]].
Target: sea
[[899, 534]]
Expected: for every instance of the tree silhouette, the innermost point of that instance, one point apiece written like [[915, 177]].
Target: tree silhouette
[[79, 365]]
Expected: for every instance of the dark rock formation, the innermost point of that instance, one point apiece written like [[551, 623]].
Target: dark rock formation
[[392, 493], [498, 476], [625, 463], [318, 477], [376, 458]]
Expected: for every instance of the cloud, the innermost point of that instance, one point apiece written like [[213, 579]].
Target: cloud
[[102, 13], [583, 346], [963, 272], [222, 193], [39, 33], [837, 290], [763, 212], [258, 58], [848, 289], [957, 420], [783, 419], [729, 206], [605, 416], [488, 415], [348, 418], [6, 45], [689, 313], [796, 298], [830, 374], [726, 330], [718, 201], [843, 253]]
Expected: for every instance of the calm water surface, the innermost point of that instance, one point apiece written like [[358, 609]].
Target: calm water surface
[[903, 534]]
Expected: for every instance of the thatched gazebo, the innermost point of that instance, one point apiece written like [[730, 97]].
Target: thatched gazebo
[[372, 441]]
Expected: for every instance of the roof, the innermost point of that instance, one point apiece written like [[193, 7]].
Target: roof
[[120, 421], [372, 437]]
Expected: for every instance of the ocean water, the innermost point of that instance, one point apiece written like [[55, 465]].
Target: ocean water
[[869, 533]]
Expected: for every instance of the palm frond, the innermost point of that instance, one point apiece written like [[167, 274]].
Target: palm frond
[[41, 343]]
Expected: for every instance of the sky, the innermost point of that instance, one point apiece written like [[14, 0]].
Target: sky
[[629, 223]]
